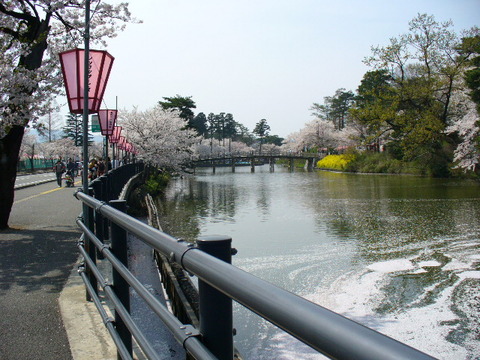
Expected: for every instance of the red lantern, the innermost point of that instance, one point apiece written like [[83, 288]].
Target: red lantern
[[107, 120], [73, 70], [116, 134], [121, 143]]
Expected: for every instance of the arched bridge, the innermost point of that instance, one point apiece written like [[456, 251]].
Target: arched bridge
[[255, 159]]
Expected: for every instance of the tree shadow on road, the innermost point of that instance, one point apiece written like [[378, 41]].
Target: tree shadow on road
[[36, 259]]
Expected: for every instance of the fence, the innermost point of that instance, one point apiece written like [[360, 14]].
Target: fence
[[219, 283], [35, 164]]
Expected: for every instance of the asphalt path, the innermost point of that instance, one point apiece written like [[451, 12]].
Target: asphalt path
[[37, 255]]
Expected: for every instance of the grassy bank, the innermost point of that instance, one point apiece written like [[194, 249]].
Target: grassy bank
[[379, 163]]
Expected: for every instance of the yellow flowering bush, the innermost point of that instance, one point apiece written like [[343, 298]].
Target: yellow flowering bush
[[335, 162]]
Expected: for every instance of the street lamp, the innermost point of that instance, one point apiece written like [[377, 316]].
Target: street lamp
[[121, 145], [114, 139], [73, 69], [85, 73], [85, 88], [107, 120]]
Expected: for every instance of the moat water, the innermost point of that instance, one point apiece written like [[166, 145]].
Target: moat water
[[399, 254]]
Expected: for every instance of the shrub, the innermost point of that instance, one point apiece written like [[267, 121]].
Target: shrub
[[383, 163], [156, 182], [336, 162]]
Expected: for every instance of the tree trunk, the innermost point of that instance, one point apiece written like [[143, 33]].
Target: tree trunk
[[9, 150], [36, 36]]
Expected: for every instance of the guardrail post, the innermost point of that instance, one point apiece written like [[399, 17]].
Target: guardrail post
[[215, 308], [105, 197], [120, 286], [89, 247], [99, 228]]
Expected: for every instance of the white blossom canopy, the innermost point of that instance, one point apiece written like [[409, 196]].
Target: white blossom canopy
[[160, 136]]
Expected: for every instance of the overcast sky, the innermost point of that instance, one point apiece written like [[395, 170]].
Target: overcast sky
[[257, 59]]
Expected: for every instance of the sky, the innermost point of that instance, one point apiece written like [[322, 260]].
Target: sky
[[259, 59]]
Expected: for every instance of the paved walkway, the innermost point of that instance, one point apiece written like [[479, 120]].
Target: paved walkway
[[37, 256]]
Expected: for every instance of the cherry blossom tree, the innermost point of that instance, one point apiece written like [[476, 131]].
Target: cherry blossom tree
[[322, 135], [32, 33], [28, 148], [205, 148], [96, 149], [160, 136], [59, 149], [466, 125], [293, 143], [239, 147], [48, 150], [318, 133]]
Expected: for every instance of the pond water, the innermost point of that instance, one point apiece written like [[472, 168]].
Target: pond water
[[400, 254]]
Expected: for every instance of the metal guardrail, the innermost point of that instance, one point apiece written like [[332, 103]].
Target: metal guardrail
[[258, 155], [219, 283], [253, 159]]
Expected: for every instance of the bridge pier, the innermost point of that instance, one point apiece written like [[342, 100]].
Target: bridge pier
[[272, 164], [309, 164], [252, 165], [233, 165], [292, 165]]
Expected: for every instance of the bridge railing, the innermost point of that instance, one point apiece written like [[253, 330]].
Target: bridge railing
[[219, 283], [257, 154]]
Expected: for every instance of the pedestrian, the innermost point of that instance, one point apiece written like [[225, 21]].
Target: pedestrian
[[100, 167], [109, 164], [59, 169], [92, 169], [71, 168]]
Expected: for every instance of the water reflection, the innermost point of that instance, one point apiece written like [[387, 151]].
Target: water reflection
[[394, 252]]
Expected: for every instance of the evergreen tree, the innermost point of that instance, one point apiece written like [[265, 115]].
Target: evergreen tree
[[184, 104], [273, 139], [74, 130], [199, 123], [335, 108], [261, 129]]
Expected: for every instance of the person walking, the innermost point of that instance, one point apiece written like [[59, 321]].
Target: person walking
[[71, 168], [59, 169], [109, 164], [92, 169], [100, 168]]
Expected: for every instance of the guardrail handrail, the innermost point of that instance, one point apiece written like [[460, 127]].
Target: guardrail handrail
[[324, 330], [250, 154], [183, 334]]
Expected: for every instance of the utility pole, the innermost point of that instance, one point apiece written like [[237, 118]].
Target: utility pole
[[85, 97]]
